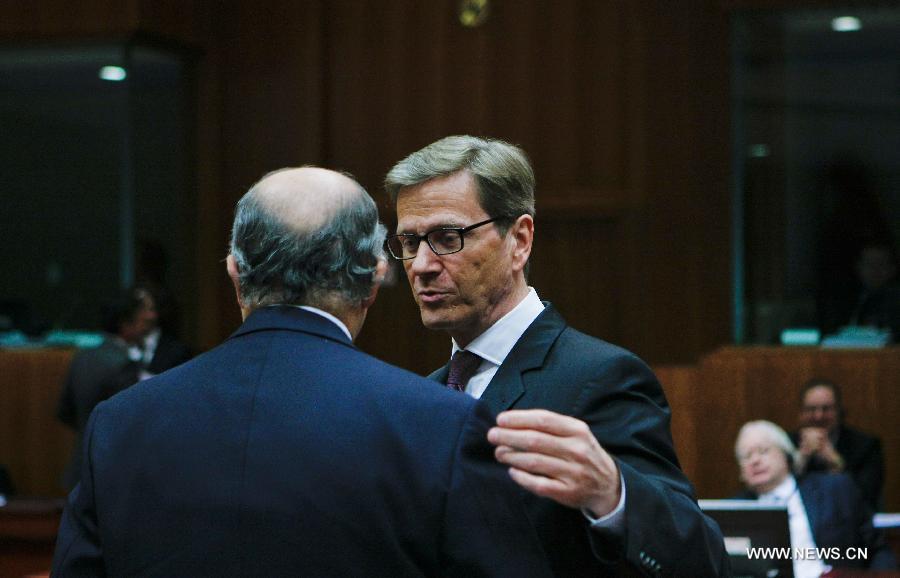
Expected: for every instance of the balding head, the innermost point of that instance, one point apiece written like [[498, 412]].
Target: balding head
[[307, 198], [305, 236]]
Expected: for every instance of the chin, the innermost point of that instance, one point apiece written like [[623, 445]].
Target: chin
[[434, 321]]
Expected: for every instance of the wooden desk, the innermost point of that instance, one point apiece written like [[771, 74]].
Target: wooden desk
[[733, 385], [33, 444], [28, 536]]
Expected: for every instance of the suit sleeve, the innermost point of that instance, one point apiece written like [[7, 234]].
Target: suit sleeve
[[486, 531], [665, 531], [78, 549]]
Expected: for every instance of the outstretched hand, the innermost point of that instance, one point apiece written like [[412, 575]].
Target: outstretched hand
[[557, 457]]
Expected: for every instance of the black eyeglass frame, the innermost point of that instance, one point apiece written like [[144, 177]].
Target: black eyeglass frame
[[461, 231]]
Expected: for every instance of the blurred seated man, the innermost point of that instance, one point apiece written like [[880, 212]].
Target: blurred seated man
[[159, 350], [97, 374], [825, 511], [827, 445], [879, 299], [873, 298]]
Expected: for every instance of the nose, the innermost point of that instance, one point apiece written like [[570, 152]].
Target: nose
[[425, 261]]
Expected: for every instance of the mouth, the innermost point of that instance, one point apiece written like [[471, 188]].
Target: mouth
[[430, 296]]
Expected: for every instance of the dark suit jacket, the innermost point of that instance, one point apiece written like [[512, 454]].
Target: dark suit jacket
[[94, 375], [286, 451], [555, 367], [863, 460], [839, 517]]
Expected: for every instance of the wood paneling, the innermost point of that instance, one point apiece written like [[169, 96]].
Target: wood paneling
[[27, 536], [622, 107], [33, 444], [681, 386], [60, 19]]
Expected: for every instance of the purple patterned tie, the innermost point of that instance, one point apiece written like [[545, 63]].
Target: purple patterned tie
[[462, 367]]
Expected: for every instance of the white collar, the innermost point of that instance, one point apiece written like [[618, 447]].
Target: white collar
[[499, 339], [327, 316], [782, 492]]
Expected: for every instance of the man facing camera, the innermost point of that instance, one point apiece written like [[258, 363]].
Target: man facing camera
[[588, 435], [286, 451], [827, 444], [825, 511]]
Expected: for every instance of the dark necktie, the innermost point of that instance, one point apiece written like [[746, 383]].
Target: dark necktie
[[462, 367]]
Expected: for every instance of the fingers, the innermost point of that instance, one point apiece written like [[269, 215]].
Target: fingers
[[542, 486], [542, 420], [537, 464], [534, 441]]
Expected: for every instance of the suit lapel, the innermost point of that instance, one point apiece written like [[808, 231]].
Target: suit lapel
[[510, 382], [440, 375]]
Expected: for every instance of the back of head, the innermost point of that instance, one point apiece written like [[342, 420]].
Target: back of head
[[306, 236], [502, 172]]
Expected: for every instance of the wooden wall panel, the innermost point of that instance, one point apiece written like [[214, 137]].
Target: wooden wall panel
[[572, 82], [60, 19], [681, 386], [33, 444], [679, 243], [622, 107], [265, 89]]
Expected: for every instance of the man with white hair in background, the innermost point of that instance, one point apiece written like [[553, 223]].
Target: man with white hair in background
[[824, 510]]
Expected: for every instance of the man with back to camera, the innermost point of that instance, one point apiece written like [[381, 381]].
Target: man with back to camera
[[607, 491], [826, 444], [824, 510], [285, 451]]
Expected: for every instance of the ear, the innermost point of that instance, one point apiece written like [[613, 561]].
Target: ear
[[378, 278], [234, 275], [522, 234]]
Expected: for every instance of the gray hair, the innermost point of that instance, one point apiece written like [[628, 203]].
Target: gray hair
[[777, 436], [502, 173], [278, 264]]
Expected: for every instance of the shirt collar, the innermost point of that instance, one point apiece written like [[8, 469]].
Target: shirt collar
[[499, 339], [327, 316], [782, 491]]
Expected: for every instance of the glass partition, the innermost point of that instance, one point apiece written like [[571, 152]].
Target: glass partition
[[97, 192], [816, 108]]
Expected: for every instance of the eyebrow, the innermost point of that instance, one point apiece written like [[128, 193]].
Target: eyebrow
[[446, 225]]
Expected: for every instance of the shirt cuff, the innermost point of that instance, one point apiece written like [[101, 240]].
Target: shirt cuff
[[615, 520]]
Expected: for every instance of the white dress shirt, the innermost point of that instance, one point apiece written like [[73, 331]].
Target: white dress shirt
[[327, 316], [493, 346], [787, 493]]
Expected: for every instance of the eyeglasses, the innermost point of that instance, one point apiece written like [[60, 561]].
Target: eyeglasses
[[821, 408], [748, 455], [443, 241]]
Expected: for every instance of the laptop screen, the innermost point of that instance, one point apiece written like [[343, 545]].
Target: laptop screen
[[749, 528]]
